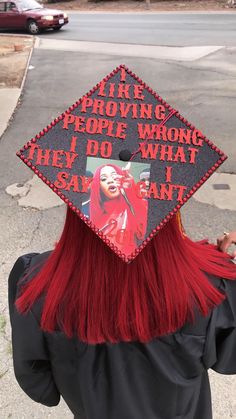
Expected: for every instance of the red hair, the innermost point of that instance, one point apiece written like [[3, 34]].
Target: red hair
[[89, 292]]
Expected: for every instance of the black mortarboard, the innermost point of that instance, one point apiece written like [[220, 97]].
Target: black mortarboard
[[123, 159]]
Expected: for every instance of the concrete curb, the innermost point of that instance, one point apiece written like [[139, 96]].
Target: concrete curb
[[146, 51], [150, 12], [13, 94], [27, 64]]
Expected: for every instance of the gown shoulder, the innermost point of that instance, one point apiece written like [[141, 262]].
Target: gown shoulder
[[220, 344], [32, 364]]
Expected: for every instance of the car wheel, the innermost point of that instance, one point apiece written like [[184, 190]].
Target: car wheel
[[57, 28], [33, 27]]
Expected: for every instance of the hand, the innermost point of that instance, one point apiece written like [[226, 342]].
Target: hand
[[126, 179], [225, 241], [142, 191]]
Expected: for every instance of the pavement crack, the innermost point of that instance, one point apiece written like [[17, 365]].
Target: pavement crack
[[2, 375], [35, 230], [197, 68], [3, 325]]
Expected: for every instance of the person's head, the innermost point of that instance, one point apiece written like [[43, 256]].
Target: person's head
[[104, 188], [144, 177], [109, 182]]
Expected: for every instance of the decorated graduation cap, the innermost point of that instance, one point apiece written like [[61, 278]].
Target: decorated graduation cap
[[123, 159]]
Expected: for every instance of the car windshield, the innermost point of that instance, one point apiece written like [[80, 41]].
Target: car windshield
[[29, 5]]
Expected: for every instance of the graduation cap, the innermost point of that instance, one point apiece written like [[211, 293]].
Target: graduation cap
[[123, 159]]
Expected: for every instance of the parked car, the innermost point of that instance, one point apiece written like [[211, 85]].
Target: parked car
[[30, 15]]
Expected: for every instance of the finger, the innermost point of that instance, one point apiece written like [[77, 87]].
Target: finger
[[226, 243], [126, 185]]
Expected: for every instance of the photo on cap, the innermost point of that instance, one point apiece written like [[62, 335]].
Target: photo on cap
[[118, 206]]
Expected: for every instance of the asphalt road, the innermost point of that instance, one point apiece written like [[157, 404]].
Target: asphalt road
[[173, 29]]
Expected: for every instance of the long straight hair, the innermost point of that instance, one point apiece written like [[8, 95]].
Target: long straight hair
[[90, 293]]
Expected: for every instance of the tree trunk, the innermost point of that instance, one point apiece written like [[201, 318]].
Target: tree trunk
[[231, 3]]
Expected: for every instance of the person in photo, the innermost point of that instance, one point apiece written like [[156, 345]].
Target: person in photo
[[116, 208]]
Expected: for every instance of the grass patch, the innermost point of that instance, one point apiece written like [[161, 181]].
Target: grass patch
[[2, 324], [9, 348]]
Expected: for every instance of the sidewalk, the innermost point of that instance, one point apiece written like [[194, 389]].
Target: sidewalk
[[13, 70], [114, 6], [8, 100]]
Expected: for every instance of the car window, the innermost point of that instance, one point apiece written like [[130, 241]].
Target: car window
[[2, 7], [29, 5], [10, 6]]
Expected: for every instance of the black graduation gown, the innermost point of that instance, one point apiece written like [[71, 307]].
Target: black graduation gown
[[163, 379]]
